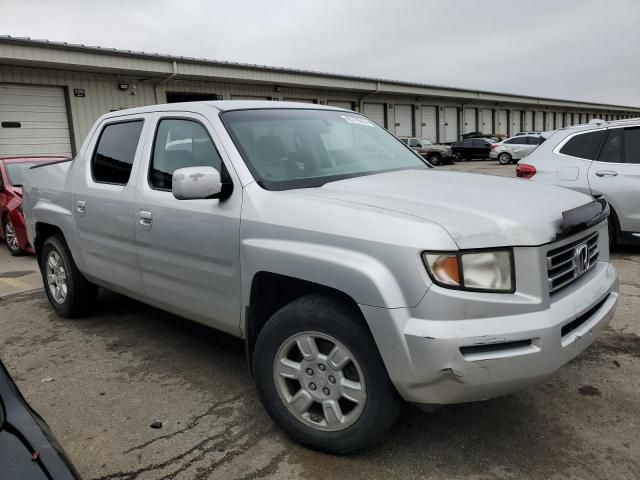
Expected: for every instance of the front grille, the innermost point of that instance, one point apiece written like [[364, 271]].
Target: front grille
[[562, 264]]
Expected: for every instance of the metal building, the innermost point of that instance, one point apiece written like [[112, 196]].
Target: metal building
[[51, 94]]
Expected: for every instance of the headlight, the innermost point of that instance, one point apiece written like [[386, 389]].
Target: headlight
[[490, 271]]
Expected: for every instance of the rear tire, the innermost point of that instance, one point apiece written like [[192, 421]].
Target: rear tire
[[504, 158], [70, 294], [311, 419]]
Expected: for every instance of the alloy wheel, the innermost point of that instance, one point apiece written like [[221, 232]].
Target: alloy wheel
[[10, 237], [56, 277], [319, 381]]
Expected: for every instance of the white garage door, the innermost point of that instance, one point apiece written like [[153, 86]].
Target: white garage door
[[375, 111], [33, 121], [486, 122], [469, 121], [560, 120], [340, 104], [528, 121], [501, 122], [450, 124], [404, 120], [539, 121], [550, 121], [516, 122], [429, 123]]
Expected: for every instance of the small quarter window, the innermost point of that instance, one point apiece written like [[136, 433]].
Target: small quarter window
[[113, 158], [612, 148], [632, 145], [584, 145], [180, 144]]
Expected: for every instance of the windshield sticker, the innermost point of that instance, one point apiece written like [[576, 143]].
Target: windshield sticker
[[357, 120]]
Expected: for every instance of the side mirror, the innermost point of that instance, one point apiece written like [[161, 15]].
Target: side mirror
[[196, 183]]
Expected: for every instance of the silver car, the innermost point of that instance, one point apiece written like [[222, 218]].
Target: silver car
[[601, 159], [356, 274], [515, 148]]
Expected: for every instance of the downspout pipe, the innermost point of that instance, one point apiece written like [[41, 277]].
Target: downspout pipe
[[361, 100], [174, 72]]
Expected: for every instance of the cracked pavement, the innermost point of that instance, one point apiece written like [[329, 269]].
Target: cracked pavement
[[128, 365]]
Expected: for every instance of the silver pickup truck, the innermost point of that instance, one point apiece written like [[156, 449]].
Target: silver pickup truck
[[356, 273]]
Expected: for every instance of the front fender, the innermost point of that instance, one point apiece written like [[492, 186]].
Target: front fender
[[364, 278]]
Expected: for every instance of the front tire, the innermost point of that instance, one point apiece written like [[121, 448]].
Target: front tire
[[70, 294], [321, 378], [11, 239], [504, 158]]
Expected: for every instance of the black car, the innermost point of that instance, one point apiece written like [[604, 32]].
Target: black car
[[28, 449], [470, 148]]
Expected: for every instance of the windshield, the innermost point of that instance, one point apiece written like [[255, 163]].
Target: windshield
[[287, 148], [17, 171]]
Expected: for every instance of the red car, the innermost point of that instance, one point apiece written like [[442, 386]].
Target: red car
[[12, 173]]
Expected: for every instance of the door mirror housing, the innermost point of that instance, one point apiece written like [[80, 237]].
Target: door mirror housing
[[196, 183]]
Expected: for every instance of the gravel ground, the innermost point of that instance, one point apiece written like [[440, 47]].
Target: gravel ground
[[101, 381]]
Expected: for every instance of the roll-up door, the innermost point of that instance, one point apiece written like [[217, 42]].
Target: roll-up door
[[404, 120], [375, 111], [539, 121], [486, 121], [469, 123], [450, 124], [33, 121], [550, 121], [429, 123], [501, 122], [528, 121], [516, 122], [340, 104]]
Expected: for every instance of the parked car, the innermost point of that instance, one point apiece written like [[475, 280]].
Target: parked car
[[356, 273], [28, 449], [601, 159], [471, 148], [528, 133], [435, 154], [496, 137], [514, 148], [12, 172]]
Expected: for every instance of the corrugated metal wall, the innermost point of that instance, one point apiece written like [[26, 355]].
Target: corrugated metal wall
[[102, 95]]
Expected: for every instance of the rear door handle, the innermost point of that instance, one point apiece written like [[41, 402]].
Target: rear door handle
[[606, 173], [146, 219], [81, 207]]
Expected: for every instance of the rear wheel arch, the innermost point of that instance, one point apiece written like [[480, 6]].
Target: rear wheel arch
[[44, 231]]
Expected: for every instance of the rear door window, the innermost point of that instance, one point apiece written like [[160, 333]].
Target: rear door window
[[584, 145], [632, 145], [114, 154], [612, 149]]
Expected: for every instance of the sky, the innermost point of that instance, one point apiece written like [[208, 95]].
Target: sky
[[570, 49]]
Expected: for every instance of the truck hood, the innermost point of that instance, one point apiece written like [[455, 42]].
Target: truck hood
[[477, 210]]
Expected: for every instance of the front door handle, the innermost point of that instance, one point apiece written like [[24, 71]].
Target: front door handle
[[146, 219], [606, 173], [81, 207]]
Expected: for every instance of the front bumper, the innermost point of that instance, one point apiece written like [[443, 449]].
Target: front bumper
[[455, 361]]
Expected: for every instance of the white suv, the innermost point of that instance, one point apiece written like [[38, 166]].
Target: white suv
[[600, 159], [515, 148]]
